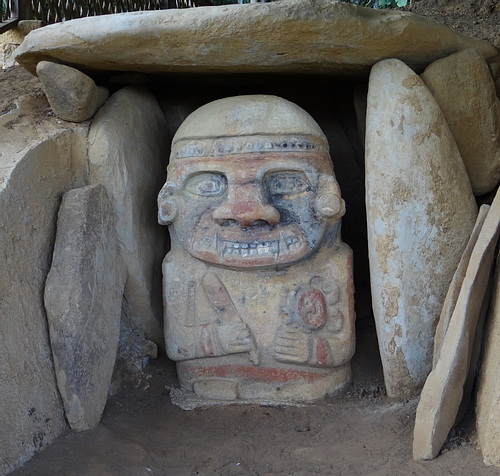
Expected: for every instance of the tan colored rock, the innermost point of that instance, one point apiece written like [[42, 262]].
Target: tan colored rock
[[12, 38], [39, 162], [420, 212], [258, 284], [443, 390], [83, 299], [488, 395], [455, 286], [256, 38], [128, 151], [72, 95], [465, 92]]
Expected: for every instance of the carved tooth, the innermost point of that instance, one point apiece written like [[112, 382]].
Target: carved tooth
[[215, 242], [222, 249], [282, 242], [275, 250]]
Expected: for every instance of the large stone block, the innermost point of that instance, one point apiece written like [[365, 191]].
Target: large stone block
[[32, 180], [128, 152], [83, 299], [465, 91], [256, 38], [420, 212], [444, 388], [72, 95]]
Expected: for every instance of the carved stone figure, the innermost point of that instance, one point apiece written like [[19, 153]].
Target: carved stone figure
[[258, 287]]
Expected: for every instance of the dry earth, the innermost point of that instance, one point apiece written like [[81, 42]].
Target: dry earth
[[363, 433]]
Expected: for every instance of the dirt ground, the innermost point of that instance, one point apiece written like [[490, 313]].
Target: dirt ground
[[362, 433]]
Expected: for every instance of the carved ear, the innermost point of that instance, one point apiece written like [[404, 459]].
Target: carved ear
[[329, 203], [167, 205]]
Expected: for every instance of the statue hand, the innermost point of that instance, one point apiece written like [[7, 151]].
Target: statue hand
[[235, 338], [291, 345]]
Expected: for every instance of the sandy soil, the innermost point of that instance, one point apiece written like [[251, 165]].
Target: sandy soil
[[364, 432]]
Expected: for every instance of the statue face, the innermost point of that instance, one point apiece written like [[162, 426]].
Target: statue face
[[250, 210]]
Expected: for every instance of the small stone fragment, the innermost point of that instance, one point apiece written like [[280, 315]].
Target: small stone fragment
[[420, 212], [83, 299], [443, 390], [72, 95], [465, 92]]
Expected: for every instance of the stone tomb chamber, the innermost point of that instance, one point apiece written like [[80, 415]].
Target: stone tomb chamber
[[317, 175]]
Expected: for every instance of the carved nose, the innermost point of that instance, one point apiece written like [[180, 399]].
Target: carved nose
[[247, 212]]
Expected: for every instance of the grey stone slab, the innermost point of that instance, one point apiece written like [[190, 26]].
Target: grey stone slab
[[83, 299], [444, 388]]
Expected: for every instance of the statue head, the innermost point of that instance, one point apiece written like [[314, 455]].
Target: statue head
[[250, 184]]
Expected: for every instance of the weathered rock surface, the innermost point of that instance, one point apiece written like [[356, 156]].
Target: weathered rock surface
[[72, 95], [465, 91], [488, 396], [443, 390], [39, 162], [11, 39], [83, 299], [455, 286], [420, 212], [256, 38], [128, 152]]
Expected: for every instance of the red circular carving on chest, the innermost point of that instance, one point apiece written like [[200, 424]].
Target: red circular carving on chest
[[312, 308]]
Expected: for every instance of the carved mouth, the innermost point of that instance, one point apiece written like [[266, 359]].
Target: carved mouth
[[226, 249]]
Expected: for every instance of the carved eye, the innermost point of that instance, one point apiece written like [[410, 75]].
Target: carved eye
[[287, 183], [207, 184]]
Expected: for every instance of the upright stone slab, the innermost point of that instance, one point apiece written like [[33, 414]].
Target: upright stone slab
[[456, 285], [465, 91], [83, 299], [488, 395], [420, 212], [443, 390], [128, 152]]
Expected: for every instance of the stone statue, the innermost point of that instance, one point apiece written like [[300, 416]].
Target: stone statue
[[258, 286]]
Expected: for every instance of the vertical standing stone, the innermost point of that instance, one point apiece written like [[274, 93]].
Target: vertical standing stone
[[420, 212], [465, 91], [128, 152], [444, 388], [83, 299], [488, 396]]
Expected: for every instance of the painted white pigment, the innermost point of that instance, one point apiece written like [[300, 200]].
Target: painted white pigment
[[420, 212]]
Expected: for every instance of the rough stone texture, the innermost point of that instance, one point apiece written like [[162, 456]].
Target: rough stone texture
[[11, 39], [128, 154], [39, 162], [420, 212], [443, 390], [257, 38], [488, 395], [465, 92], [455, 286], [258, 284], [83, 300], [72, 95]]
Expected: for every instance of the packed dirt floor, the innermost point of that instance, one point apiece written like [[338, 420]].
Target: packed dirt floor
[[361, 433]]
